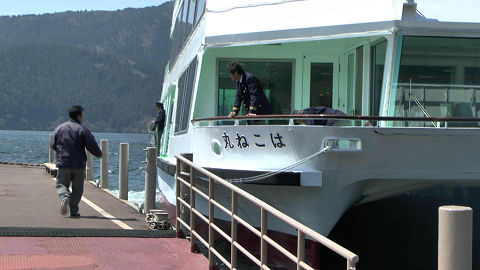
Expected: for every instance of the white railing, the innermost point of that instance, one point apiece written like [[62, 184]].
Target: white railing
[[185, 175]]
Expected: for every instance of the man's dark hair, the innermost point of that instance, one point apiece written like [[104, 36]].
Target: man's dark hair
[[75, 111], [233, 67]]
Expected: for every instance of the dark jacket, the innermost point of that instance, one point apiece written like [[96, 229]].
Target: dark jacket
[[250, 91], [320, 110], [160, 121], [69, 141]]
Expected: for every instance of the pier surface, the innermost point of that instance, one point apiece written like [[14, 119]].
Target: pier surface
[[109, 235]]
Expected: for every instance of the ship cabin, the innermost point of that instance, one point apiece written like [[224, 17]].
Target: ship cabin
[[362, 57]]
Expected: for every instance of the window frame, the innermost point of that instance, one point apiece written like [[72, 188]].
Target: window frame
[[284, 60]]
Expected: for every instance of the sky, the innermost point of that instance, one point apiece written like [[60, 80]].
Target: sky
[[22, 7]]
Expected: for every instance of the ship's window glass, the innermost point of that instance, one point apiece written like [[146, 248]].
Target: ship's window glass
[[200, 9], [276, 78], [378, 54], [440, 77], [187, 18], [358, 81], [191, 12], [321, 84], [350, 83], [186, 86]]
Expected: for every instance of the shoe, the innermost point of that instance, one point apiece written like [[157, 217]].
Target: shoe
[[64, 206], [76, 215]]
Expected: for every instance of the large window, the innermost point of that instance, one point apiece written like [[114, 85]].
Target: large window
[[188, 16], [378, 53], [438, 76], [186, 86], [276, 78]]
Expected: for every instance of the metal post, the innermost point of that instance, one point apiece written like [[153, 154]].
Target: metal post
[[455, 238], [233, 248], [150, 179], [211, 219], [263, 243], [51, 152], [179, 233], [123, 171], [104, 164], [89, 168], [301, 249], [193, 245]]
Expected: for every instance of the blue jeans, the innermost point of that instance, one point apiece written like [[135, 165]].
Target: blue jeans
[[65, 176]]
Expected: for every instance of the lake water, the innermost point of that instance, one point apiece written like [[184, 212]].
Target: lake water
[[32, 147]]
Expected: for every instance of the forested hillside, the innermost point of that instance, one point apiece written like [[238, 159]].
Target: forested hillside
[[112, 63]]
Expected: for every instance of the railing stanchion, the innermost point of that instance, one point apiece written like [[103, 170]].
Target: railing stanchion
[[123, 171], [51, 152], [263, 243], [233, 248], [150, 179], [179, 233], [211, 218], [300, 249], [89, 167], [104, 164], [193, 246]]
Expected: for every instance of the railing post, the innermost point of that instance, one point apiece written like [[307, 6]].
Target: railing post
[[211, 219], [51, 152], [179, 233], [89, 168], [104, 164], [123, 171], [263, 243], [300, 249], [193, 245], [233, 248], [150, 179], [454, 238]]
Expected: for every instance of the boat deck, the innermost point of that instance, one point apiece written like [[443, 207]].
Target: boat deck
[[109, 235]]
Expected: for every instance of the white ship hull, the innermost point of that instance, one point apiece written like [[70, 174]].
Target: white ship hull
[[391, 161]]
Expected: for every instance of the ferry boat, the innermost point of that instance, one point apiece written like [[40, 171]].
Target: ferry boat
[[406, 74]]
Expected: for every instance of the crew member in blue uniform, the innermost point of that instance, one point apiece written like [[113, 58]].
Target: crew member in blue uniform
[[249, 91], [159, 125]]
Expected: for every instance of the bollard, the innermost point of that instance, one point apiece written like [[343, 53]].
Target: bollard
[[123, 172], [104, 164], [150, 179], [89, 168], [455, 238], [51, 152]]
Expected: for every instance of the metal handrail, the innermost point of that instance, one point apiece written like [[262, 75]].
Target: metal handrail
[[338, 117], [265, 208]]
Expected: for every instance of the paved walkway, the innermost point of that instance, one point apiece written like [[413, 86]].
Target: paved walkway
[[29, 206]]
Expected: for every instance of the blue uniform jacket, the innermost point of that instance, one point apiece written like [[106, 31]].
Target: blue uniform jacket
[[160, 121], [250, 91], [69, 141]]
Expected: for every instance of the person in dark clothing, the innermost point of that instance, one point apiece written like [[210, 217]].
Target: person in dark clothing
[[249, 91], [319, 110], [159, 125], [69, 142]]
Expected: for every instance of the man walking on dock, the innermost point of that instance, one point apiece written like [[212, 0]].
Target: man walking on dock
[[69, 141]]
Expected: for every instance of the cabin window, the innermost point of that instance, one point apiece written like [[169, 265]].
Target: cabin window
[[321, 84], [438, 76], [378, 53], [276, 78], [186, 86], [200, 10], [188, 16]]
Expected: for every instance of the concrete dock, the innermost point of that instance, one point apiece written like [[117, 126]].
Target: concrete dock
[[109, 235]]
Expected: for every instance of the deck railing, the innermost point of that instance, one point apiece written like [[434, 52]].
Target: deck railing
[[185, 175], [341, 119]]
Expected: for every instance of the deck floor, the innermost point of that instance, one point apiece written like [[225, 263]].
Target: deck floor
[[30, 224]]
